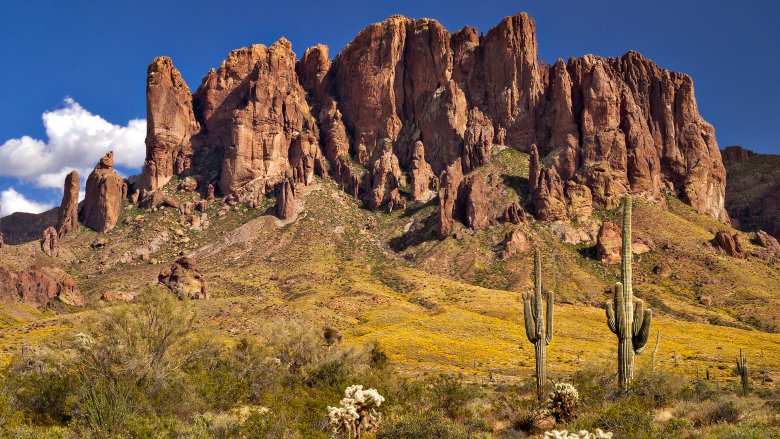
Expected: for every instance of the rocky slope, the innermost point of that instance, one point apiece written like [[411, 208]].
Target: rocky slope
[[753, 190]]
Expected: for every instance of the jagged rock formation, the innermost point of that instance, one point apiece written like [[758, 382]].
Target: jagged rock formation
[[68, 215], [50, 243], [514, 242], [596, 128], [38, 286], [608, 243], [103, 200], [768, 242], [170, 125], [184, 279]]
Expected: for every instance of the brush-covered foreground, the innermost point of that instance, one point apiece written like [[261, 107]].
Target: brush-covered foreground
[[448, 307], [146, 370]]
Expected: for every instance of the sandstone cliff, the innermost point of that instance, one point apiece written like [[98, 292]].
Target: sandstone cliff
[[601, 127], [68, 215]]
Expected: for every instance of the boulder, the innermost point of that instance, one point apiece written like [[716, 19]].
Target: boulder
[[768, 242], [184, 279], [729, 243]]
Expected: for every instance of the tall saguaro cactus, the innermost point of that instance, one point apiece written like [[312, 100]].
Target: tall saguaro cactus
[[742, 370], [630, 324], [538, 326]]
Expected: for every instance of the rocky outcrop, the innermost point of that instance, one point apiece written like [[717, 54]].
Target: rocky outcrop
[[600, 127], [768, 242], [385, 178], [184, 279], [730, 244], [286, 207], [104, 194], [254, 110], [170, 125], [424, 181], [68, 215], [624, 124], [735, 154], [448, 197], [514, 242], [157, 199], [39, 286], [50, 243], [608, 243]]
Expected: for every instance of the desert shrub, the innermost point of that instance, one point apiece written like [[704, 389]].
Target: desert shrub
[[627, 418], [422, 424], [659, 388], [452, 396], [563, 402], [751, 430], [720, 410], [38, 386], [674, 428], [522, 414], [595, 384], [132, 362]]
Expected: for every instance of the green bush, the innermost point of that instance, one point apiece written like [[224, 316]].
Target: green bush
[[422, 425], [658, 389], [627, 418]]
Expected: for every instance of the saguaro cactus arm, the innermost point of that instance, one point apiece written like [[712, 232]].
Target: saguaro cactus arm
[[640, 338], [610, 308], [530, 320], [549, 327]]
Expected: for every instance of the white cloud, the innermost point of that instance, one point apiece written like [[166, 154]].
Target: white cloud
[[12, 201], [76, 140]]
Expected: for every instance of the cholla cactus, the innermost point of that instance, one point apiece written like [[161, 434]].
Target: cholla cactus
[[582, 434], [631, 325], [563, 401], [357, 412], [538, 326]]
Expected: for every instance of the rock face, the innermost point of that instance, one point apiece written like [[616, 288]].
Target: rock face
[[103, 200], [68, 218], [407, 97], [254, 110], [39, 286], [49, 242], [170, 125], [184, 279], [448, 197]]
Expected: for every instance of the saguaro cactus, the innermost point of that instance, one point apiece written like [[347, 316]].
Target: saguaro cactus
[[630, 324], [742, 370], [538, 326]]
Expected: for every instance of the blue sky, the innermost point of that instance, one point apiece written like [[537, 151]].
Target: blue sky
[[87, 60]]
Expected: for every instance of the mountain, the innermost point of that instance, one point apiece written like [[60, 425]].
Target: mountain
[[753, 190], [394, 193]]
